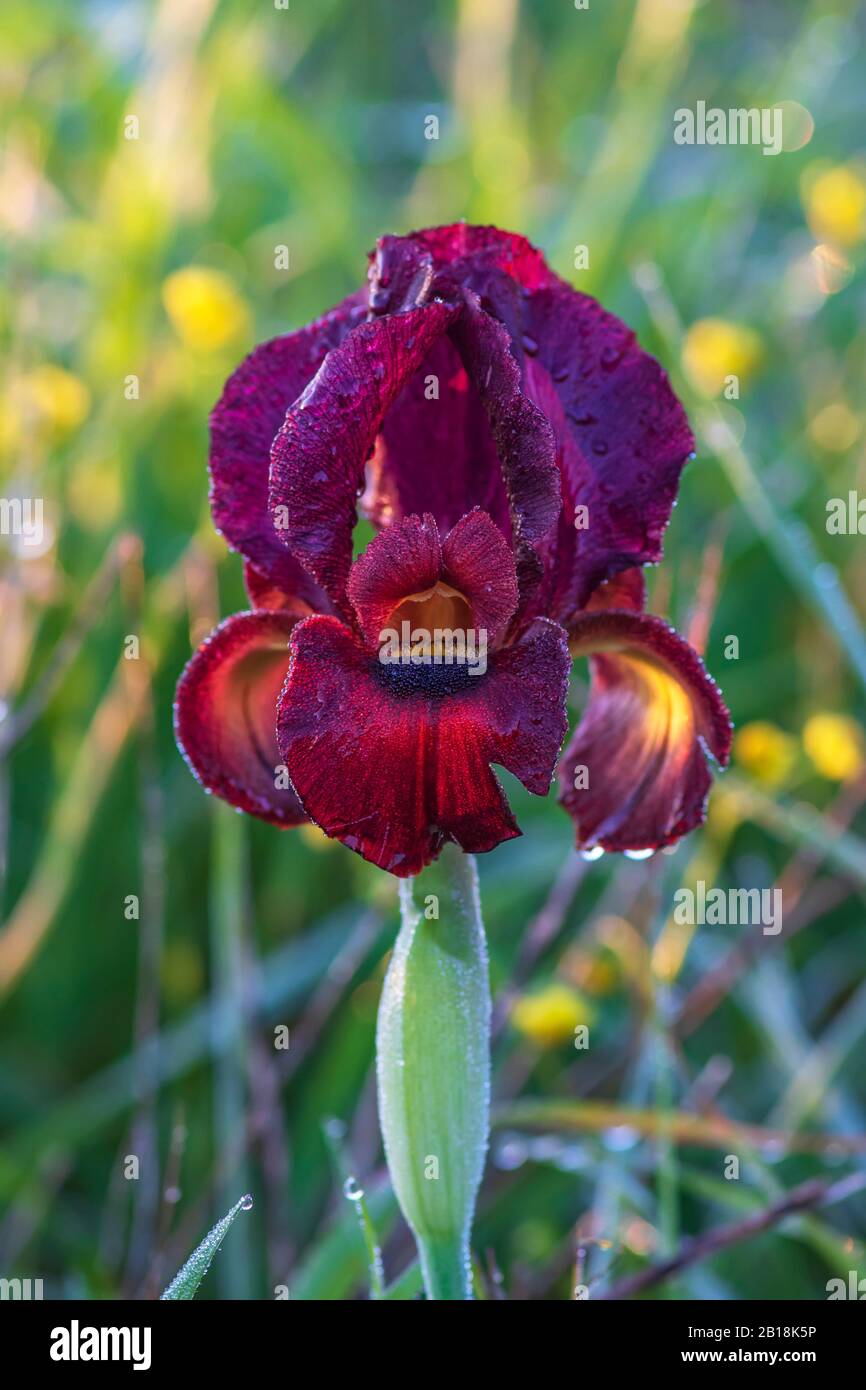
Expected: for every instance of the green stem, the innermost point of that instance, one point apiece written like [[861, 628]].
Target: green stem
[[433, 1066]]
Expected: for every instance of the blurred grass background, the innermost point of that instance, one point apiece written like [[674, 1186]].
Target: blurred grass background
[[152, 941]]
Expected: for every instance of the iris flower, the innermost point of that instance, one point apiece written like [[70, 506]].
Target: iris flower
[[519, 455]]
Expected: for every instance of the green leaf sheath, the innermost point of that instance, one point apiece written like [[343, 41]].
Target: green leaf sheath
[[433, 1066]]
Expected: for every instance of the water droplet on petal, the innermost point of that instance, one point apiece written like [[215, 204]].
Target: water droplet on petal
[[639, 853], [590, 854]]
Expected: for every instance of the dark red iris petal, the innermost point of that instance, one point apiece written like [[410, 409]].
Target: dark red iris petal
[[622, 440], [225, 714], [400, 275], [396, 774], [523, 437], [264, 594], [461, 248], [436, 452], [625, 590], [243, 424], [478, 562], [318, 457], [635, 774], [406, 559]]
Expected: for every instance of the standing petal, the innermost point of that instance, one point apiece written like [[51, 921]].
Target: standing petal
[[523, 437], [622, 440], [406, 559], [436, 452], [477, 561], [243, 425], [318, 457]]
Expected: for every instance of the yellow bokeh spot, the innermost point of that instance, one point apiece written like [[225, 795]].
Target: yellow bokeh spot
[[765, 751], [834, 428], [95, 493], [205, 308], [835, 744], [835, 204], [61, 401], [549, 1016], [715, 349]]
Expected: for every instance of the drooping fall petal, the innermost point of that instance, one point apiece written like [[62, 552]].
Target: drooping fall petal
[[635, 774], [226, 714], [243, 425], [395, 761]]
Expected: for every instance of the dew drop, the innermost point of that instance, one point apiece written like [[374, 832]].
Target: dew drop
[[246, 1201], [353, 1190], [590, 854], [611, 356], [639, 853]]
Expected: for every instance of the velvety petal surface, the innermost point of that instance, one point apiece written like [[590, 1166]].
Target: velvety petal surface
[[622, 439], [477, 560], [394, 764], [406, 559], [653, 717], [436, 451], [226, 714], [318, 457], [243, 426], [524, 440], [461, 247]]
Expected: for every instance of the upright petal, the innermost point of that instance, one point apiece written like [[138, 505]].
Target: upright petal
[[477, 561], [436, 451], [395, 768], [226, 714], [469, 248], [406, 559], [635, 774], [318, 457], [622, 439], [243, 425], [523, 437]]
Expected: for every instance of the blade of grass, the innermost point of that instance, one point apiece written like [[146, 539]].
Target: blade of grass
[[227, 895], [185, 1283]]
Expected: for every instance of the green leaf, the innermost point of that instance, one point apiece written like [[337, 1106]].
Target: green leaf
[[185, 1283]]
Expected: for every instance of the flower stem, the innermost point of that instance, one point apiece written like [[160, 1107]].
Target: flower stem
[[433, 1066]]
